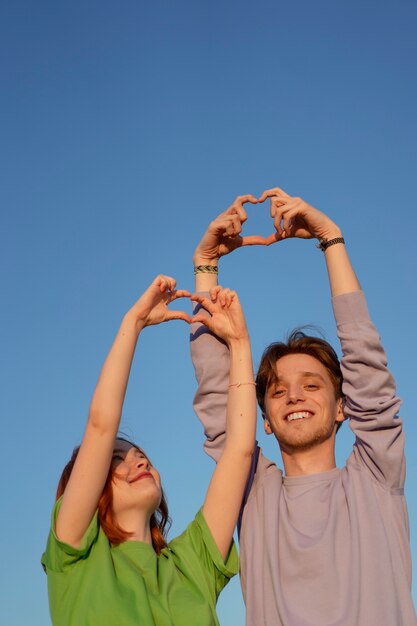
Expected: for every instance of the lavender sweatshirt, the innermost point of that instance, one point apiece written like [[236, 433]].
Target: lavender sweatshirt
[[329, 549]]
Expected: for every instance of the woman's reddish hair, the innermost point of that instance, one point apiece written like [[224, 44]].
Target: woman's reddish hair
[[159, 522]]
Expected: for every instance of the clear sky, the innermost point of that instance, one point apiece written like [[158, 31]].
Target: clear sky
[[125, 128]]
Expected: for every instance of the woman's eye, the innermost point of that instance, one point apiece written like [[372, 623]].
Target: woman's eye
[[278, 392], [311, 386]]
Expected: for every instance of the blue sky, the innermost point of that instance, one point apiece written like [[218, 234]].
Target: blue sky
[[125, 128]]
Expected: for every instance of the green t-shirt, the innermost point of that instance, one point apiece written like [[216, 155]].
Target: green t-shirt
[[129, 585]]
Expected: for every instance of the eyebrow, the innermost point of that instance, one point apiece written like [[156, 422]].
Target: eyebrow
[[304, 375], [119, 451]]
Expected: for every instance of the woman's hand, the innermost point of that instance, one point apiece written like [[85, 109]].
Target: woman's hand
[[226, 315], [293, 217], [223, 233], [152, 306]]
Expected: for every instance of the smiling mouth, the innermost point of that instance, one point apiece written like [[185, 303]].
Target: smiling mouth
[[140, 476], [298, 415]]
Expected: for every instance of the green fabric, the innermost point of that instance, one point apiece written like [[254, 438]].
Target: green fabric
[[129, 585]]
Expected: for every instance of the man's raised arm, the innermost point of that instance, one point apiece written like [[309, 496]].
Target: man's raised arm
[[369, 388], [210, 354]]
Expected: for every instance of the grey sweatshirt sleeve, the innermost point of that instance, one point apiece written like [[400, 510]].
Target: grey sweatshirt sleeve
[[371, 402], [210, 356]]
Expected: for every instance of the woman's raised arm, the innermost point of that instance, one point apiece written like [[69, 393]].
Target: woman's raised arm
[[225, 493], [92, 465]]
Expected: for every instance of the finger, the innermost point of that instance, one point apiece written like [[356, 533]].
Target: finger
[[177, 315], [223, 295], [234, 242], [273, 238], [257, 240], [237, 205], [165, 282], [275, 204], [237, 209], [230, 297], [205, 302], [214, 292], [234, 227], [180, 293], [246, 198], [279, 219], [268, 193], [201, 319]]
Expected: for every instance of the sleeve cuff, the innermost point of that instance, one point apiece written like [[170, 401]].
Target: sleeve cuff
[[350, 307], [89, 535], [228, 568]]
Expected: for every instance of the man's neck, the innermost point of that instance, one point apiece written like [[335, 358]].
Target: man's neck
[[320, 458]]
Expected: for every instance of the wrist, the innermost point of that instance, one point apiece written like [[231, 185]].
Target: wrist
[[202, 259], [133, 322], [331, 233], [238, 344]]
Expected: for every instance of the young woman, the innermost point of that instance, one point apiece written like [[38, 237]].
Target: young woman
[[107, 559]]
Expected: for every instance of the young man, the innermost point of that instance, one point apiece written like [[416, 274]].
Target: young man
[[320, 546]]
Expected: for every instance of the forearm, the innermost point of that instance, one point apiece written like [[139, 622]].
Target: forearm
[[341, 274], [204, 281], [225, 493], [210, 358], [241, 404], [371, 401], [107, 402]]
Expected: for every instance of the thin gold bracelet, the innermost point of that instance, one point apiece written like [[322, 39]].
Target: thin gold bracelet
[[239, 384]]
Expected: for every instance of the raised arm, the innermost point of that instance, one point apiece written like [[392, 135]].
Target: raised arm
[[210, 355], [293, 217], [371, 401], [92, 465], [224, 496]]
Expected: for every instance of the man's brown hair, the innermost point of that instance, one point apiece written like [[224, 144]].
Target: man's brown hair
[[297, 343]]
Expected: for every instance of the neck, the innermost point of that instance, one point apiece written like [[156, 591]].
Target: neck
[[137, 524], [319, 458]]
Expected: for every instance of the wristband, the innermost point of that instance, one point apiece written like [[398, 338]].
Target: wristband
[[326, 243], [206, 269]]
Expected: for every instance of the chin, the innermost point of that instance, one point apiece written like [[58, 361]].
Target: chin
[[303, 444]]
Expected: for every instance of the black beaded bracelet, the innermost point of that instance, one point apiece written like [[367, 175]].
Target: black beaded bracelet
[[324, 243], [206, 269]]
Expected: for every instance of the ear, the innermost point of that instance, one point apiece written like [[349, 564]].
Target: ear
[[340, 415], [267, 426]]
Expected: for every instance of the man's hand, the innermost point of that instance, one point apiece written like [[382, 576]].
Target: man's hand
[[293, 217], [223, 234]]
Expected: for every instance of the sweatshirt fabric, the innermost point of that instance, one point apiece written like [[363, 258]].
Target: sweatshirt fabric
[[328, 549]]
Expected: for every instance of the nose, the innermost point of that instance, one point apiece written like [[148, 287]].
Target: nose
[[142, 463], [295, 393]]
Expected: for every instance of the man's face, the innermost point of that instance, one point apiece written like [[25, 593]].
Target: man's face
[[300, 406]]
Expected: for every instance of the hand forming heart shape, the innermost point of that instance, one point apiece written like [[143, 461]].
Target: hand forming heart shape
[[292, 217]]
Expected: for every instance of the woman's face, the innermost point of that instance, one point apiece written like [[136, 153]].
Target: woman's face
[[136, 483]]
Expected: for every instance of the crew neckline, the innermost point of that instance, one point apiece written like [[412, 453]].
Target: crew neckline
[[311, 478]]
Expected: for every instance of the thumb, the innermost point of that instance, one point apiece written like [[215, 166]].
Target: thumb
[[177, 315]]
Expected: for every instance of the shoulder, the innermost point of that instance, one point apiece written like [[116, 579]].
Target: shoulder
[[59, 556], [197, 547]]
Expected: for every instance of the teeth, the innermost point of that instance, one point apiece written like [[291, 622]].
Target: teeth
[[297, 416]]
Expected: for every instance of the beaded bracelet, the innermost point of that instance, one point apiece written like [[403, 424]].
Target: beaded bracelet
[[324, 243], [206, 269]]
